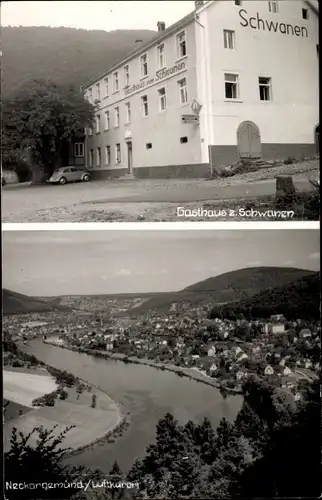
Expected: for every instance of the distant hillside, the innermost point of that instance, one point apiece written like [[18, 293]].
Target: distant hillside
[[66, 55], [227, 287], [298, 299], [17, 303]]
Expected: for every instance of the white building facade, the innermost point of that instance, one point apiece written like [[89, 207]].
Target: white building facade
[[233, 79]]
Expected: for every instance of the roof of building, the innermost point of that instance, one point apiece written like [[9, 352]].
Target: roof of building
[[314, 5], [161, 35]]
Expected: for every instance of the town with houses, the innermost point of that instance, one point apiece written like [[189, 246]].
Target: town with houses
[[221, 351]]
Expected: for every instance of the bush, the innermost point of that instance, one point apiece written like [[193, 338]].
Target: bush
[[46, 400], [17, 364], [65, 378], [63, 394], [289, 160]]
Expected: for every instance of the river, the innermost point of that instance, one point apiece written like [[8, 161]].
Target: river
[[146, 393]]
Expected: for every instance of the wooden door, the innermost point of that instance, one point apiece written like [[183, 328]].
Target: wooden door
[[249, 140]]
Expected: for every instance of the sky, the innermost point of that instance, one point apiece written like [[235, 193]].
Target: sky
[[101, 15], [48, 263]]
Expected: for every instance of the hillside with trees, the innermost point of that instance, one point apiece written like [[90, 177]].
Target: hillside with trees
[[272, 450], [228, 287], [17, 303], [68, 56], [299, 299]]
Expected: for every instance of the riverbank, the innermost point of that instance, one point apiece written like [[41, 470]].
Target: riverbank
[[189, 373], [88, 425]]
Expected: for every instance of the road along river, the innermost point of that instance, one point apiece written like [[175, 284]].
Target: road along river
[[146, 393]]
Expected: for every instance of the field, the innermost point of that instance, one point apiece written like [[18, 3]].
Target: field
[[23, 388], [13, 410], [90, 423]]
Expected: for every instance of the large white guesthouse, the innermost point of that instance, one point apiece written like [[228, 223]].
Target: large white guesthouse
[[232, 79]]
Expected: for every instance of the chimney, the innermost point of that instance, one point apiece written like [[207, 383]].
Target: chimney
[[198, 4], [161, 26]]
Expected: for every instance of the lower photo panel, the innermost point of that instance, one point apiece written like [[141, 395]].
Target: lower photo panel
[[161, 364]]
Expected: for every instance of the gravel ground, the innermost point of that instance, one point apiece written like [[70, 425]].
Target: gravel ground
[[154, 200]]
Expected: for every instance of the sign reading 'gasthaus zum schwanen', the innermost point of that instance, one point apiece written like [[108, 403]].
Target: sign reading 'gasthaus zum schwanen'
[[160, 75]]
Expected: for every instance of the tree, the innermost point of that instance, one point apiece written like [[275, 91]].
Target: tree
[[40, 464], [204, 438], [290, 464], [39, 121], [93, 405]]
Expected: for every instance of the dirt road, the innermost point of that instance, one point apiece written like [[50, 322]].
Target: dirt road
[[149, 200]]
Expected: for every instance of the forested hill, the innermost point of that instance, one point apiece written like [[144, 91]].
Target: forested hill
[[298, 299], [17, 303], [227, 287], [66, 55]]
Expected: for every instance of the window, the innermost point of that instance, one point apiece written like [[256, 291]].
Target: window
[[238, 2], [98, 124], [183, 91], [162, 99], [90, 94], [118, 153], [79, 149], [126, 75], [98, 92], [229, 39], [145, 106], [273, 7], [128, 112], [91, 157], [107, 120], [117, 117], [181, 44], [115, 81], [183, 140], [161, 56], [265, 92], [148, 145], [90, 130], [106, 86], [107, 155], [144, 65], [231, 86], [305, 13], [98, 157]]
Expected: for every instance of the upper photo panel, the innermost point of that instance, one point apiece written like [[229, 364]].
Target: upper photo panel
[[160, 111]]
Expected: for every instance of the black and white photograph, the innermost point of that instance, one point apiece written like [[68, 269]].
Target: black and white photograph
[[161, 364], [160, 209], [160, 111]]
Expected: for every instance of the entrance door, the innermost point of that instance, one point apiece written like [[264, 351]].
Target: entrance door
[[249, 140], [129, 158]]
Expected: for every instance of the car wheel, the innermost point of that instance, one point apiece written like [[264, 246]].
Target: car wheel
[[62, 180], [86, 178]]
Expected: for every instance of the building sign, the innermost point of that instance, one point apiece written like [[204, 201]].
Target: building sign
[[160, 75], [257, 23], [196, 107], [190, 119]]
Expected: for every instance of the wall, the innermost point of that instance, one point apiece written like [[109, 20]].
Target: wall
[[10, 176], [290, 61]]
